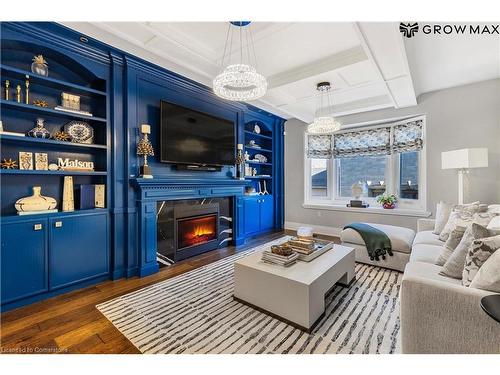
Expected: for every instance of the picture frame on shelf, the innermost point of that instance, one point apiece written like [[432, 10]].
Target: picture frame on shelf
[[25, 161], [41, 161]]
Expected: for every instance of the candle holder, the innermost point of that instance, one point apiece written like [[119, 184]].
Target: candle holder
[[145, 149], [240, 163]]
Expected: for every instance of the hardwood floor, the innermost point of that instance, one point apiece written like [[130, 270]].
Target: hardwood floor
[[70, 323]]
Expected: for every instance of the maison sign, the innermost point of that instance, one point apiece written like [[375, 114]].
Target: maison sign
[[75, 165]]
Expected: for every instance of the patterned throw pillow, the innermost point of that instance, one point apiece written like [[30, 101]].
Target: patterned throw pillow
[[461, 215], [455, 264], [451, 243], [488, 276], [443, 211], [477, 255]]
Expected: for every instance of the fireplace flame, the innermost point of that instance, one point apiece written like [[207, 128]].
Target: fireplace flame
[[202, 230], [197, 231]]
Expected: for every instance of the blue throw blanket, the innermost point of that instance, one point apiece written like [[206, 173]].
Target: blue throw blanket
[[377, 243]]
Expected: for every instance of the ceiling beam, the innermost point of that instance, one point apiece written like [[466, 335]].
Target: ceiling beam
[[314, 68]]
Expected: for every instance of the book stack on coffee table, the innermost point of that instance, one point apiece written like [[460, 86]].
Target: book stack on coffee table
[[309, 249], [282, 260]]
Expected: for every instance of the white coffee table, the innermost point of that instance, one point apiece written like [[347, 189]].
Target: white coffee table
[[295, 294]]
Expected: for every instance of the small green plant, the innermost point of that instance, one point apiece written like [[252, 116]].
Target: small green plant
[[387, 200]]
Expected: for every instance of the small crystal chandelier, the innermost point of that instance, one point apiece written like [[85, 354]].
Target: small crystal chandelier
[[323, 122], [239, 82]]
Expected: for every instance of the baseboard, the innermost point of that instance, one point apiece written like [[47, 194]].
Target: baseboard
[[319, 229]]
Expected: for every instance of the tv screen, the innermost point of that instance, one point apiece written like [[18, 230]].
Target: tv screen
[[192, 137]]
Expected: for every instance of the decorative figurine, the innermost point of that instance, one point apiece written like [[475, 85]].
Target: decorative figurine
[[240, 162], [40, 66], [41, 161], [247, 156], [254, 172], [68, 194], [9, 164], [39, 130], [61, 136], [18, 93], [7, 90], [36, 202], [40, 103], [256, 129], [145, 148], [80, 132], [25, 160], [27, 96]]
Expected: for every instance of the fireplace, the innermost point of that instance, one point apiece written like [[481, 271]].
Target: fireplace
[[196, 229]]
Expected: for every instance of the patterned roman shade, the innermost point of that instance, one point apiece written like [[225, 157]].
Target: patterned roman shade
[[362, 143], [319, 146], [408, 137]]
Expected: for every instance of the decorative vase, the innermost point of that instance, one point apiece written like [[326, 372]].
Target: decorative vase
[[39, 66], [35, 202], [39, 130], [389, 206]]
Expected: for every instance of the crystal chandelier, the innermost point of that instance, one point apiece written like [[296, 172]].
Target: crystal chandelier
[[240, 81], [323, 122]]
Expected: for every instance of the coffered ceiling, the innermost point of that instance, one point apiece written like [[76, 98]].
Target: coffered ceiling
[[365, 62]]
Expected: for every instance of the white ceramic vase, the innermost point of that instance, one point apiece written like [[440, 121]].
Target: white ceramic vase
[[35, 202]]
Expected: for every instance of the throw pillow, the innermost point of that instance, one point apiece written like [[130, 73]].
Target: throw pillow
[[477, 255], [443, 211], [451, 243], [460, 216], [454, 266], [488, 276], [494, 223]]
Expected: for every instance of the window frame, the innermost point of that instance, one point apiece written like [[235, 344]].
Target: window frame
[[392, 173]]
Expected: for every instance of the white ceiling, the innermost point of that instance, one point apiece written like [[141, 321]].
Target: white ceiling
[[366, 63]]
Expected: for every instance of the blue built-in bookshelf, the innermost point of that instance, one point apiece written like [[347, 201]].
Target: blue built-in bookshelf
[[47, 254]]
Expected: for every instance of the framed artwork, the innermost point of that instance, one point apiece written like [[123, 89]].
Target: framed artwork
[[41, 161], [25, 160]]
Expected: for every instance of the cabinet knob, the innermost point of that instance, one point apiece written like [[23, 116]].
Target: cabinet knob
[[37, 227], [58, 224]]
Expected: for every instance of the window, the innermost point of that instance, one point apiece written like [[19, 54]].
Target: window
[[319, 177], [368, 171], [381, 159]]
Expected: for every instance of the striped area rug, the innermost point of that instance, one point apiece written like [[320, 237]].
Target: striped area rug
[[195, 313]]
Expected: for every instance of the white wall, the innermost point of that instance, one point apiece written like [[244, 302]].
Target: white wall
[[459, 117]]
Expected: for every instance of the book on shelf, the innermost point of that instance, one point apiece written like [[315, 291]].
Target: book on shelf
[[3, 132], [37, 212], [79, 112]]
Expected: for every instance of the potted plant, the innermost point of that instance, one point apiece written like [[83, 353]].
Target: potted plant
[[388, 201]]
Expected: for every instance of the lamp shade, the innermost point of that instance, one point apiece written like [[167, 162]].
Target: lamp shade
[[465, 158]]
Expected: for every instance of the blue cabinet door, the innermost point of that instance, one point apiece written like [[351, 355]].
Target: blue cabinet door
[[252, 215], [24, 259], [266, 212], [78, 248]]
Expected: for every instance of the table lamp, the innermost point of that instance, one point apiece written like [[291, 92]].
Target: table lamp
[[463, 160], [145, 148]]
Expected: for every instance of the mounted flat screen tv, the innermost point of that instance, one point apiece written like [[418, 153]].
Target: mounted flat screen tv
[[195, 138]]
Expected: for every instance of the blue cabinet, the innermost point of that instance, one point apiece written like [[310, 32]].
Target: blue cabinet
[[258, 214], [24, 259], [78, 249]]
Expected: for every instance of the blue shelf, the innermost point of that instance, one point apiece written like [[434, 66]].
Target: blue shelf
[[47, 81], [257, 163], [55, 173], [258, 178], [258, 149], [48, 142], [48, 111], [15, 217], [259, 135]]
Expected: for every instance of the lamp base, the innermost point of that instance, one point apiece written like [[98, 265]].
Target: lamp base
[[145, 171]]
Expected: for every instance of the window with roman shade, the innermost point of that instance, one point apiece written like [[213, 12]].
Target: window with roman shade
[[408, 137], [370, 142], [319, 146]]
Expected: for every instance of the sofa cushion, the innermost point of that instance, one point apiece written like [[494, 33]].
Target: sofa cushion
[[488, 276], [428, 271], [450, 245], [427, 237], [425, 253], [443, 211], [477, 255], [401, 238]]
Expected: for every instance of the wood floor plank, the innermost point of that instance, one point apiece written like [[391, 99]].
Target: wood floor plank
[[71, 323]]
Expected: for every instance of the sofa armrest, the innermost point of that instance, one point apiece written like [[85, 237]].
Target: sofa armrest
[[425, 224], [441, 317]]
